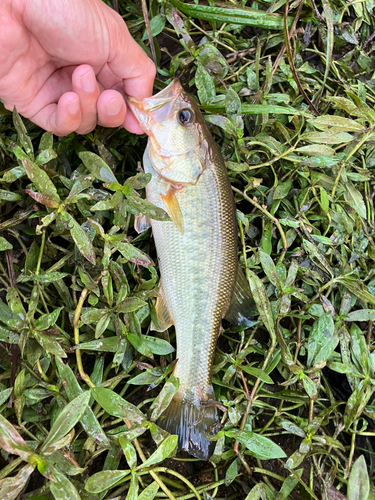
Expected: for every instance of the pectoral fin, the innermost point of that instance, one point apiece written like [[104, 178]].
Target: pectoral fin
[[173, 208], [141, 223], [162, 313], [242, 305]]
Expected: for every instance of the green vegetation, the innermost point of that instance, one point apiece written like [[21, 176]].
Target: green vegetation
[[287, 90]]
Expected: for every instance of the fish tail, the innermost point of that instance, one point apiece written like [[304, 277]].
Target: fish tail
[[192, 422]]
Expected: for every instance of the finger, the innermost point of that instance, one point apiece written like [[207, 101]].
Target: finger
[[84, 84], [61, 118], [128, 61], [111, 109]]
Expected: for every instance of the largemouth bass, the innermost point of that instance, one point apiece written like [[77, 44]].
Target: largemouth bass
[[197, 254]]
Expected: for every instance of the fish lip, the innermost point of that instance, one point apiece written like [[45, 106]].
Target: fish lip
[[142, 109]]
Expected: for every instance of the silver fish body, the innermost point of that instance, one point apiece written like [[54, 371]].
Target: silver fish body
[[197, 252]]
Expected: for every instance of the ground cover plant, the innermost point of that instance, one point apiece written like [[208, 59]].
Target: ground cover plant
[[287, 90]]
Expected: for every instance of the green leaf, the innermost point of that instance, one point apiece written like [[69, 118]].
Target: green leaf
[[270, 269], [359, 483], [164, 397], [205, 84], [129, 452], [72, 388], [80, 237], [23, 139], [40, 179], [9, 318], [42, 278], [47, 320], [132, 253], [147, 208], [67, 419], [282, 190], [258, 373], [140, 345], [9, 195], [109, 344], [361, 315], [134, 487], [98, 167], [130, 305], [322, 340], [261, 301], [49, 344], [102, 481], [116, 406], [259, 446], [158, 346], [166, 449], [336, 123], [231, 473], [242, 16], [61, 487], [4, 395], [5, 245], [149, 493], [355, 199]]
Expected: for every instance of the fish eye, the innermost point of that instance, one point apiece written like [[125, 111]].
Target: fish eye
[[185, 116]]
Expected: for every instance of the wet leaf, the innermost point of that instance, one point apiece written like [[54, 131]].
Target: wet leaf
[[11, 487], [132, 254], [259, 446], [47, 320], [49, 344], [23, 139], [149, 493], [359, 484], [5, 245], [12, 442], [147, 208], [164, 398], [102, 481], [322, 340], [98, 167], [67, 419], [115, 405], [40, 179], [73, 389], [166, 448]]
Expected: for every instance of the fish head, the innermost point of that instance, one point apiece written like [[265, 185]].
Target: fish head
[[177, 134]]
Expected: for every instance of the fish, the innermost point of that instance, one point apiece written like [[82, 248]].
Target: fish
[[201, 281]]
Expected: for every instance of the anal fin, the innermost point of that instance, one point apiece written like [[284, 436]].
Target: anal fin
[[162, 313], [173, 208], [242, 306]]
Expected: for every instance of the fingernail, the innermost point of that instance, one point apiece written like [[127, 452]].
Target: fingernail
[[113, 107], [73, 107], [88, 82]]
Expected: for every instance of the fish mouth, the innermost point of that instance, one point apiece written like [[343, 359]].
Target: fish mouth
[[156, 108]]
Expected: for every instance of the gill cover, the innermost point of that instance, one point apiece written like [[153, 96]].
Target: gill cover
[[177, 149]]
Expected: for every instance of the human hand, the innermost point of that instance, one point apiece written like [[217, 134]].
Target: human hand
[[66, 65]]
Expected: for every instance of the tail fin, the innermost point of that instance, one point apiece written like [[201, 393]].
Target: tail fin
[[192, 423]]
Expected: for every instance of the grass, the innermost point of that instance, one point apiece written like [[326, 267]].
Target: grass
[[288, 93]]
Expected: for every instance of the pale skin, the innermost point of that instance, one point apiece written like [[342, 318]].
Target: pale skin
[[67, 65]]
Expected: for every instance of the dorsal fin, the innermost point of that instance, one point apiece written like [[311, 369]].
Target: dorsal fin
[[242, 306]]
